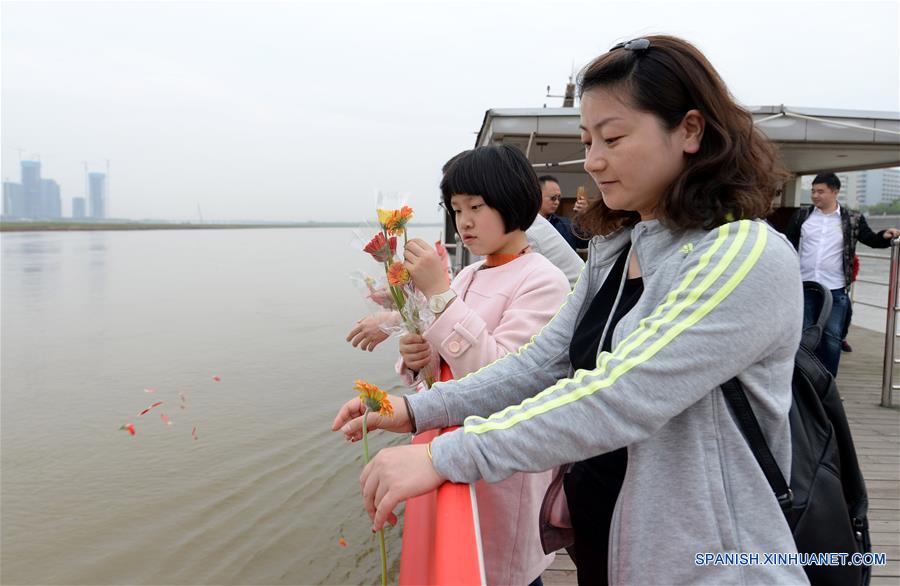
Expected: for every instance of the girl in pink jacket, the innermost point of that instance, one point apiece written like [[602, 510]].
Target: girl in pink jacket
[[491, 308]]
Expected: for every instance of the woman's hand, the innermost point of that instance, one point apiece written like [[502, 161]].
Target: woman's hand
[[349, 419], [394, 475], [416, 352], [367, 332], [427, 270]]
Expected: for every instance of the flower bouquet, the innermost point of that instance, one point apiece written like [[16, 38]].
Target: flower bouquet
[[395, 291]]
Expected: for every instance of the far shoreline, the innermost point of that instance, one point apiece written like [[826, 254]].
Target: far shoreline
[[49, 226]]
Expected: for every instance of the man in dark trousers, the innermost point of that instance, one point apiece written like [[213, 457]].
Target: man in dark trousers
[[825, 236]]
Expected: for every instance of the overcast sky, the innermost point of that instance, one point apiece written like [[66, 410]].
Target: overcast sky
[[301, 110]]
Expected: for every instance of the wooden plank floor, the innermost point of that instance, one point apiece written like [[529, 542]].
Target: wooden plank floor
[[876, 432]]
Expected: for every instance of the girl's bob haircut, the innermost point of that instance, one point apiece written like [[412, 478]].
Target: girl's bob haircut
[[499, 174], [737, 171]]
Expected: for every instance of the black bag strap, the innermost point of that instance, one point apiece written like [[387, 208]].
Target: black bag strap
[[746, 420]]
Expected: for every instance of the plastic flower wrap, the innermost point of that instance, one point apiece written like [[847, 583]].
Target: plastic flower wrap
[[396, 292]]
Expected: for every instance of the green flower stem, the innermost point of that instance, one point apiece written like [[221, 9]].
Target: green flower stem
[[380, 532]]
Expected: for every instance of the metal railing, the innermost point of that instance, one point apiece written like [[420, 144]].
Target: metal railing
[[890, 331]]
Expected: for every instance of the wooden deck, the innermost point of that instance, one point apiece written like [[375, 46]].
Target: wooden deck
[[876, 432]]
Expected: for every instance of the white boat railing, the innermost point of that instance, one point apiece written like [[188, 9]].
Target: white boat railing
[[890, 331]]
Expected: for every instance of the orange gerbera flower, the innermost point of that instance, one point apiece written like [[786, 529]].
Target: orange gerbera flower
[[374, 398], [394, 221], [397, 274]]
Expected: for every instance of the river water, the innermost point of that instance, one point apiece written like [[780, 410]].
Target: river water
[[265, 492]]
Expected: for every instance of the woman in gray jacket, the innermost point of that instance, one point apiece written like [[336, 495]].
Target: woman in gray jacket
[[685, 288]]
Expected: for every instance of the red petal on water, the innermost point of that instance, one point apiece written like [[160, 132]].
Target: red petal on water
[[149, 390], [165, 418], [157, 404], [129, 427], [342, 542], [217, 379]]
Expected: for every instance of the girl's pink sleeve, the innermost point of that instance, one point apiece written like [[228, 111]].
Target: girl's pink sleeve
[[461, 337]]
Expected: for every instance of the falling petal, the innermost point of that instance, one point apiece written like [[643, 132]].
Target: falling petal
[[194, 433], [342, 542], [149, 390], [129, 427], [217, 379], [165, 418], [157, 404]]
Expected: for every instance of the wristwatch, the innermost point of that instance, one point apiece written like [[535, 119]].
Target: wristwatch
[[438, 303]]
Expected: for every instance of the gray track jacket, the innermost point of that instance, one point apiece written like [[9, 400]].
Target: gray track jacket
[[716, 304]]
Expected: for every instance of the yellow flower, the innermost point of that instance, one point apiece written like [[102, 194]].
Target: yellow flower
[[374, 398], [394, 221], [384, 215], [397, 274]]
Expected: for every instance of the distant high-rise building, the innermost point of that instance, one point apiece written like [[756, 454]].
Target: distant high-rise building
[[878, 186], [13, 200], [31, 186], [51, 203], [78, 208], [861, 188], [97, 195]]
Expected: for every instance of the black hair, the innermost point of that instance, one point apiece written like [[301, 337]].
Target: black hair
[[502, 176], [545, 178], [829, 179]]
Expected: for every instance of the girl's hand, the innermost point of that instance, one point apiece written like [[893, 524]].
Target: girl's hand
[[394, 475], [349, 419], [367, 332], [426, 268], [416, 352]]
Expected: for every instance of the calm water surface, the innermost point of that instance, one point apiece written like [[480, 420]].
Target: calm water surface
[[89, 320]]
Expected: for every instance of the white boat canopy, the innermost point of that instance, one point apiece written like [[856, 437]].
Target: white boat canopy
[[810, 140]]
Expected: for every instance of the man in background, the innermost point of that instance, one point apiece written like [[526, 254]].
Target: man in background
[[825, 235], [552, 195]]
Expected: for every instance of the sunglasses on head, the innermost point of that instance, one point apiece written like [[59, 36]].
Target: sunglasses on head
[[633, 45]]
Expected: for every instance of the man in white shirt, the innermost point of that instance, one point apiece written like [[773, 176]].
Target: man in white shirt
[[825, 237]]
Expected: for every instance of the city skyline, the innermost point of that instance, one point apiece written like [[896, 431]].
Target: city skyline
[[265, 111], [36, 197]]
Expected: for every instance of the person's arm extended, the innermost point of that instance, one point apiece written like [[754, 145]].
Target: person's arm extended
[[873, 239], [736, 300]]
